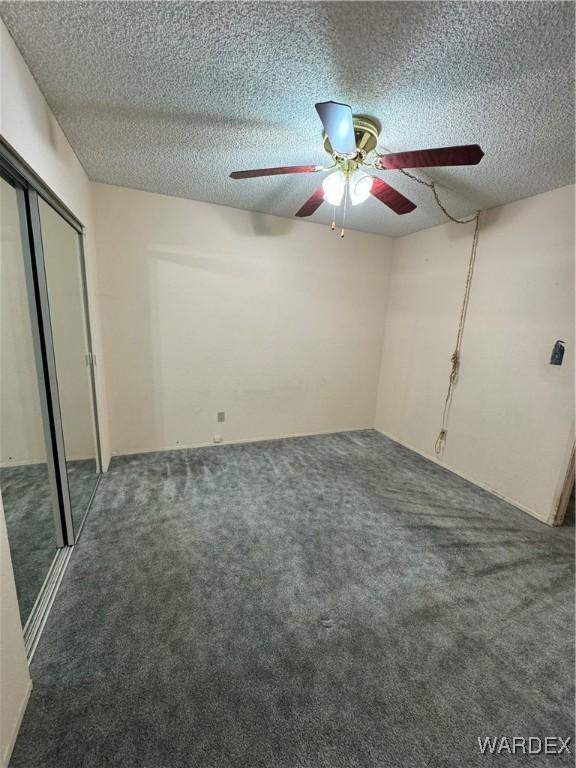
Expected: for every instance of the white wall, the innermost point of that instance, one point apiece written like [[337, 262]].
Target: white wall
[[277, 322], [15, 683], [512, 422]]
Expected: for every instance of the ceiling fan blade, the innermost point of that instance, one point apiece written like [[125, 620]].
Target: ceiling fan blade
[[467, 154], [391, 197], [339, 126], [312, 204], [275, 171]]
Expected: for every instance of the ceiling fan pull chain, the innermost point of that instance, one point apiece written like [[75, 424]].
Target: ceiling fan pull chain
[[344, 211], [333, 226], [432, 186]]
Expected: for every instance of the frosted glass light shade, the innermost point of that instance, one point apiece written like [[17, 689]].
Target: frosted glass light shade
[[360, 186], [333, 186]]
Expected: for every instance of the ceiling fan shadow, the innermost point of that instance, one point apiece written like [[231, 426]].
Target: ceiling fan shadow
[[213, 132], [369, 71]]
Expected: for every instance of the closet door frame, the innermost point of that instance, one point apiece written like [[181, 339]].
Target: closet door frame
[[29, 188], [52, 388]]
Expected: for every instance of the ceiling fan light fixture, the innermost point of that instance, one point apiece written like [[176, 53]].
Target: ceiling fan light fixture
[[349, 139], [360, 186], [334, 186]]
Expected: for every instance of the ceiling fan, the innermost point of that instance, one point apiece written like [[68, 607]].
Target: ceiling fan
[[349, 139]]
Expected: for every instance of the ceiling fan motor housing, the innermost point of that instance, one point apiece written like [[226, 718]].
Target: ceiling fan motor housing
[[366, 132]]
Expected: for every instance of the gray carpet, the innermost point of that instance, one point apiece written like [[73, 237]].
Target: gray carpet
[[29, 521], [28, 512], [319, 602]]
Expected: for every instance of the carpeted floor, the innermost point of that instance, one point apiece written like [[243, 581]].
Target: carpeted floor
[[319, 602], [28, 510]]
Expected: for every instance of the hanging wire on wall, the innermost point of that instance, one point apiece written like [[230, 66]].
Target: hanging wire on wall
[[455, 359]]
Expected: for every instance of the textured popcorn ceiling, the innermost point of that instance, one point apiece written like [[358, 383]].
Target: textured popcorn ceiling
[[170, 97]]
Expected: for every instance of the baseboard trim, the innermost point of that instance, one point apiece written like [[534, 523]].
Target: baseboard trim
[[239, 441], [484, 487], [41, 460], [16, 727], [22, 463]]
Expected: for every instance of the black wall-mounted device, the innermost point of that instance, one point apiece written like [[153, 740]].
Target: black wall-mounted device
[[557, 353]]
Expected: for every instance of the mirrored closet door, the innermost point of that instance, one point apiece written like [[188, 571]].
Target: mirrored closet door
[[63, 266], [49, 447], [25, 484]]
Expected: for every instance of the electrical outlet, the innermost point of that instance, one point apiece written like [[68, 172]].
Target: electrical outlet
[[221, 416]]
